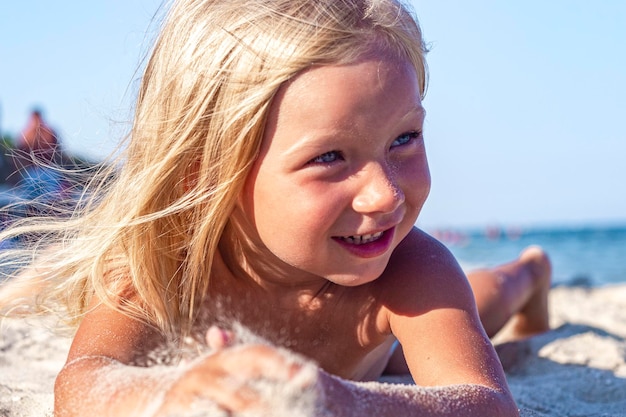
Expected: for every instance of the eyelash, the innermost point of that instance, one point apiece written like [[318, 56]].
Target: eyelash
[[337, 155], [410, 135], [320, 158]]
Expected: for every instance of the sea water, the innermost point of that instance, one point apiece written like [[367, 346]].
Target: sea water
[[584, 255], [580, 255]]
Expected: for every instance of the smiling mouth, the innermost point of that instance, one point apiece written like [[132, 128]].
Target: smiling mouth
[[361, 239]]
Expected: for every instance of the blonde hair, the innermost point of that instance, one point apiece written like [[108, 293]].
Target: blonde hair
[[153, 230]]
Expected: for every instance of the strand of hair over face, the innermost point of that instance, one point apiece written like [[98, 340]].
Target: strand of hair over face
[[153, 223]]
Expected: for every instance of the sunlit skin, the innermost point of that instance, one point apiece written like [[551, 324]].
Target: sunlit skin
[[343, 156], [339, 182], [338, 272]]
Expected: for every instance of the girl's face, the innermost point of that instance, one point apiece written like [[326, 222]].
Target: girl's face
[[342, 172]]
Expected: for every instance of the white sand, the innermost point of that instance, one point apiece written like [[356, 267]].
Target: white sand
[[577, 369]]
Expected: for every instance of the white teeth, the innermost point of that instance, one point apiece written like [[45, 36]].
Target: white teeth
[[362, 239]]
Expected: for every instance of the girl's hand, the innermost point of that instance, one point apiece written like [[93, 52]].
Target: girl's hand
[[234, 379], [218, 339]]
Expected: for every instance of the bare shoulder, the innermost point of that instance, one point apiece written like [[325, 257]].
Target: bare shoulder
[[423, 268], [429, 307], [423, 249]]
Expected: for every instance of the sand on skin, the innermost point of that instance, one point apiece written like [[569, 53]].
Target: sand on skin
[[576, 369]]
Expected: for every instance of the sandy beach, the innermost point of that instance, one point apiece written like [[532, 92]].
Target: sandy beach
[[576, 369]]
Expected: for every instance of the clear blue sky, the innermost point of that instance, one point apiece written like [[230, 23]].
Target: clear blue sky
[[526, 103]]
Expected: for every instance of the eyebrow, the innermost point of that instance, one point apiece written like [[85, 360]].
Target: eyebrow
[[418, 110], [303, 142]]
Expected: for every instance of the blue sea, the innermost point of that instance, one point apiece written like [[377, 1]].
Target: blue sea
[[589, 255]]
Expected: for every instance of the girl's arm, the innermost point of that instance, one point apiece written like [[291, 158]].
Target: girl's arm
[[426, 302], [98, 378], [428, 305], [355, 399], [93, 379]]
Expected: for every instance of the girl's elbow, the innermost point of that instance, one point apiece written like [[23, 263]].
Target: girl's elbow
[[64, 393], [74, 384], [504, 404], [489, 401]]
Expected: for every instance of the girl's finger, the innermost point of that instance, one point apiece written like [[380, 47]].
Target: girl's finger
[[259, 362], [218, 338], [236, 379]]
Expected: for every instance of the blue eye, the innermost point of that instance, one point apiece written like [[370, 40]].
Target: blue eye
[[406, 138], [327, 158]]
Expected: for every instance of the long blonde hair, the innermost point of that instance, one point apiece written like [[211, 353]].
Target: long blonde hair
[[154, 229]]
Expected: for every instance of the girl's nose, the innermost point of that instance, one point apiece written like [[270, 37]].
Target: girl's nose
[[379, 192]]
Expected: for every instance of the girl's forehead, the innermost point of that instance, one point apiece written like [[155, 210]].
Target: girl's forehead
[[382, 65], [334, 97]]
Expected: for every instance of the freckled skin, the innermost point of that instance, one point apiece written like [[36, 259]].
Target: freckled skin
[[343, 156], [361, 116]]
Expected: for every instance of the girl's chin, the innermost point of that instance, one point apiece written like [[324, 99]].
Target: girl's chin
[[355, 279]]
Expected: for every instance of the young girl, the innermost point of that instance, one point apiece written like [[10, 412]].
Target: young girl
[[275, 171]]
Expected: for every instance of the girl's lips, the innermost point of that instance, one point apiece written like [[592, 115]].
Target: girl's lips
[[367, 246]]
